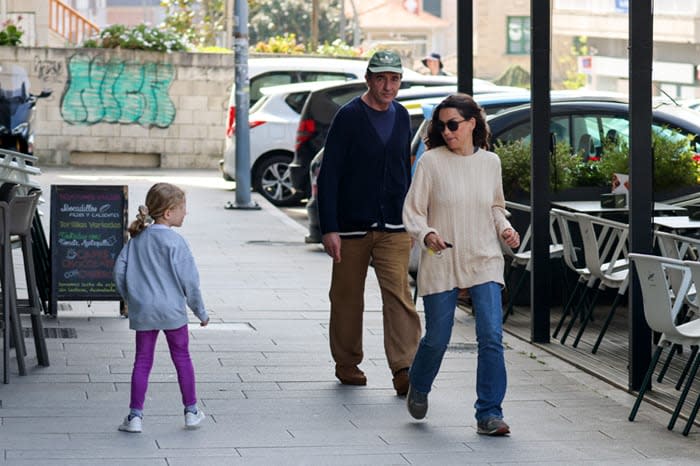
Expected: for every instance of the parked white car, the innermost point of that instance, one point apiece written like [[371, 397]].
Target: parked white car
[[270, 140], [273, 121]]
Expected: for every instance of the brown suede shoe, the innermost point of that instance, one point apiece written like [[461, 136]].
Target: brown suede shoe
[[350, 375], [401, 381]]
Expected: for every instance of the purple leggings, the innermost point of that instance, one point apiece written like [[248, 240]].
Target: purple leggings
[[178, 342]]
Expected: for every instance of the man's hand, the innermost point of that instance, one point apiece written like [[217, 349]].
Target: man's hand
[[331, 243]]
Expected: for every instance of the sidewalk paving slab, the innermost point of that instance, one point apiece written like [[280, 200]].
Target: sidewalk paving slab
[[265, 377]]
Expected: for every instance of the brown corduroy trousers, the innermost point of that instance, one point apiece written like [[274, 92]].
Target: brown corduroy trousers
[[389, 253]]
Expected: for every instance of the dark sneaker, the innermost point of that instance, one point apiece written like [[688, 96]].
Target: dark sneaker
[[350, 375], [417, 403], [401, 382], [493, 426]]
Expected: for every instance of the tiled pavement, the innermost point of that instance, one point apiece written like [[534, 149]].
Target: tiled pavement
[[265, 376]]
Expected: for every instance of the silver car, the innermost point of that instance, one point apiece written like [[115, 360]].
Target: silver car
[[273, 121]]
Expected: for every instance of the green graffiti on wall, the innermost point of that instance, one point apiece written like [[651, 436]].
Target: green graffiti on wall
[[117, 92]]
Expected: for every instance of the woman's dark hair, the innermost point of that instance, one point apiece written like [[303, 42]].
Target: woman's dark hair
[[468, 108]]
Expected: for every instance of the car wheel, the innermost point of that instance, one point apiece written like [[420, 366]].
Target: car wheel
[[272, 180]]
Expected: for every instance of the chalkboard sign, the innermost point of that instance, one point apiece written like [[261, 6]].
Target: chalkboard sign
[[88, 229]]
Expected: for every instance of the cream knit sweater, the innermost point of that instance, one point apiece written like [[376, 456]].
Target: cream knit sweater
[[460, 198]]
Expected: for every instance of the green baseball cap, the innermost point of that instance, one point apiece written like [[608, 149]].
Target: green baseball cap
[[385, 61]]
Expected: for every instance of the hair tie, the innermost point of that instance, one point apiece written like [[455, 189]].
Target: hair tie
[[143, 215]]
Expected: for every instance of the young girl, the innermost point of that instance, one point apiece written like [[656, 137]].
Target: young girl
[[155, 273]]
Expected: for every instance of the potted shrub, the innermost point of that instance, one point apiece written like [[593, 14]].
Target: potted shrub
[[675, 169], [515, 166], [676, 172]]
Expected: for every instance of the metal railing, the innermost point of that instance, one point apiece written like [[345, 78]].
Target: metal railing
[[69, 23]]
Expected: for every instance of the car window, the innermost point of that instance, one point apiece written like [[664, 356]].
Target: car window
[[296, 100], [307, 76], [342, 96], [586, 135], [416, 121], [492, 109], [673, 134], [516, 133], [582, 132], [561, 129], [274, 78], [616, 129]]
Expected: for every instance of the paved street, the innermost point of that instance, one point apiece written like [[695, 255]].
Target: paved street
[[265, 375]]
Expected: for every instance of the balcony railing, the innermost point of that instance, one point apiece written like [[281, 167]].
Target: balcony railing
[[69, 23]]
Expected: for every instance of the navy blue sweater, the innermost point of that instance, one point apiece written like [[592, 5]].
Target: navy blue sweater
[[363, 182]]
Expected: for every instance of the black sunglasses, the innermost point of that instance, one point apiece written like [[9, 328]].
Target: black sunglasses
[[452, 125]]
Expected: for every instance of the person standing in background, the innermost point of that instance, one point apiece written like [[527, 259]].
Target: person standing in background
[[434, 63]]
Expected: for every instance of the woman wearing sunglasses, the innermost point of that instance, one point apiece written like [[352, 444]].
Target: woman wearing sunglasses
[[455, 209]]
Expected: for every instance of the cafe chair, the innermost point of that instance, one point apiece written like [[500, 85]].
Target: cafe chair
[[11, 328], [567, 221], [605, 250], [694, 267], [522, 257], [21, 213], [573, 260], [681, 248], [661, 308]]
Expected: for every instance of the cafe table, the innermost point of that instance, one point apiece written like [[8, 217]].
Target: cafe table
[[676, 223], [594, 208]]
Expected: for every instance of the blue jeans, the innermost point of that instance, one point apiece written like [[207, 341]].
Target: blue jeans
[[491, 368]]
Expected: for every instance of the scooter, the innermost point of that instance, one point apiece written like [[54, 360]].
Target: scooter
[[17, 109], [17, 138]]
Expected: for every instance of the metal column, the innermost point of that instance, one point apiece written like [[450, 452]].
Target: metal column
[[641, 177], [540, 197], [465, 46]]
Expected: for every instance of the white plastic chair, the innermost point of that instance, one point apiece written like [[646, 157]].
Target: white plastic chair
[[661, 309], [682, 248], [692, 327], [563, 219], [523, 256], [605, 249]]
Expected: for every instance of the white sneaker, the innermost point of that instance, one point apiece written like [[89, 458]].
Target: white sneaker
[[132, 425], [192, 420]]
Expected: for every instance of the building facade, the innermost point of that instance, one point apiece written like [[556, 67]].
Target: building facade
[[605, 24]]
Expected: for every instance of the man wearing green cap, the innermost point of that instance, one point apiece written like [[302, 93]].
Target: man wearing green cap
[[362, 184]]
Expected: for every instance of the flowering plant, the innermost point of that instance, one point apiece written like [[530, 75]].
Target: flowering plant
[[139, 37], [11, 34]]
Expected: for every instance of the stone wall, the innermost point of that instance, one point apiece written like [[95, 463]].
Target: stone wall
[[127, 108]]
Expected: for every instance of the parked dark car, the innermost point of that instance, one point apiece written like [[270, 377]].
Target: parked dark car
[[585, 124], [322, 105], [494, 103]]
